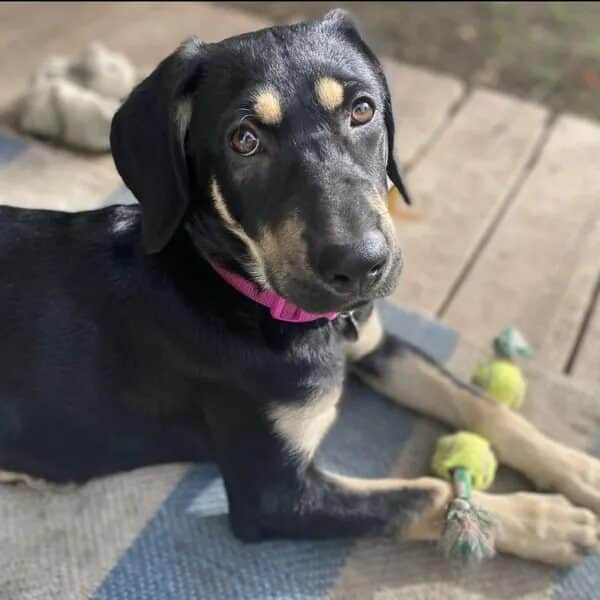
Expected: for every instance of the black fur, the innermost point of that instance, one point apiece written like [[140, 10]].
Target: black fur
[[122, 347]]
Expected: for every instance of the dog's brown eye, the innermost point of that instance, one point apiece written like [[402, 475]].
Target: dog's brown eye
[[244, 141], [362, 112]]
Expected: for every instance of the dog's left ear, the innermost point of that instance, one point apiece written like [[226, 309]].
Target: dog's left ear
[[148, 136], [393, 169], [342, 18], [344, 21]]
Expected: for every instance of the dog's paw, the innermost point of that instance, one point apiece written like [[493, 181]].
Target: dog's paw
[[543, 527], [579, 478]]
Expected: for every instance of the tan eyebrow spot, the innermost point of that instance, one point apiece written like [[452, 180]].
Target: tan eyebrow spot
[[267, 107], [330, 92]]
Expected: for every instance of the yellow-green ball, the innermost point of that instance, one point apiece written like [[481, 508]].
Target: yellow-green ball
[[467, 450], [502, 380]]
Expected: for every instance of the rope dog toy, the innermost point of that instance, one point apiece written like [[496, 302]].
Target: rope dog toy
[[469, 530], [467, 459]]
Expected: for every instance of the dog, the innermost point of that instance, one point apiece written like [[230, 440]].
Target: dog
[[217, 320]]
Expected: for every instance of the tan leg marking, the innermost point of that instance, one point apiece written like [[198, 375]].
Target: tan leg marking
[[303, 427], [413, 382], [542, 527], [256, 266], [330, 93], [369, 337], [428, 525], [267, 106]]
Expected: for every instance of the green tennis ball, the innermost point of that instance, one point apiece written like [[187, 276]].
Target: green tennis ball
[[502, 380], [469, 451]]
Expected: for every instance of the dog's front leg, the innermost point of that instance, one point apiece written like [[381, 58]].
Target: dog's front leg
[[410, 378], [276, 491]]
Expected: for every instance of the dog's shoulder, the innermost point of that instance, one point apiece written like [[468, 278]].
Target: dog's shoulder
[[59, 231], [52, 259]]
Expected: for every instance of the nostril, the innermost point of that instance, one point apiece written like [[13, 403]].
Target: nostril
[[354, 267], [341, 278], [376, 270]]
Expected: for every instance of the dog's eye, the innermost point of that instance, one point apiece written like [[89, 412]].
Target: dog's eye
[[244, 141], [362, 112]]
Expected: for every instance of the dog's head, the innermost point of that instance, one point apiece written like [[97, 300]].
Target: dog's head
[[273, 150]]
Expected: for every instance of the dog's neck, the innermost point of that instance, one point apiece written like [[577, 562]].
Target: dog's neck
[[280, 308]]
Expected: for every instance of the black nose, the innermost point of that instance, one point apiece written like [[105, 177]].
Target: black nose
[[354, 267]]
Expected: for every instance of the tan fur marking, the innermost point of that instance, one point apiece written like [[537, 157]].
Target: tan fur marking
[[267, 107], [380, 202], [542, 527], [415, 383], [256, 267], [287, 237], [303, 427], [330, 93], [284, 250], [369, 336], [425, 526]]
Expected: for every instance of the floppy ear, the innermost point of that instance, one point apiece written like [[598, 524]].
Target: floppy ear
[[344, 21], [341, 17], [394, 171], [147, 138]]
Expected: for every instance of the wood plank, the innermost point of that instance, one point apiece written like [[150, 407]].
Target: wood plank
[[153, 35], [19, 20], [422, 103], [459, 188], [539, 269], [566, 321]]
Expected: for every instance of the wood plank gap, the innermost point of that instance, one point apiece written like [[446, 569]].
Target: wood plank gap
[[494, 223], [437, 133], [583, 328]]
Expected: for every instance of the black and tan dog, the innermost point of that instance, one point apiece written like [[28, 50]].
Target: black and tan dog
[[266, 155]]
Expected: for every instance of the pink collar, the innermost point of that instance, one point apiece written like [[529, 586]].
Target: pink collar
[[281, 309]]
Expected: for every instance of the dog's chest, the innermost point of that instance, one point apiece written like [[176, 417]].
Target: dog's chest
[[292, 365], [307, 403], [303, 426]]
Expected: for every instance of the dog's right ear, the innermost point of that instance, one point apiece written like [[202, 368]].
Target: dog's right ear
[[148, 136], [342, 17]]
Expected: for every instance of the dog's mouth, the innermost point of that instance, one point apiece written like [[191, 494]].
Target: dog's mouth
[[313, 295]]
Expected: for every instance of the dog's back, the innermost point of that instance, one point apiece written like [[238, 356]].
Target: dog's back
[[74, 294]]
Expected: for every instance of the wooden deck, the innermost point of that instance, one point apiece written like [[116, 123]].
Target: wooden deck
[[506, 227]]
